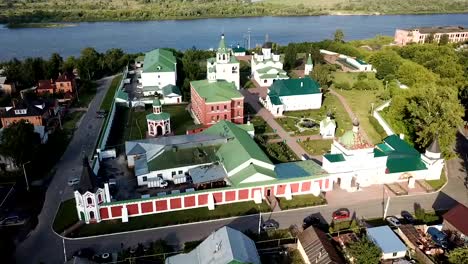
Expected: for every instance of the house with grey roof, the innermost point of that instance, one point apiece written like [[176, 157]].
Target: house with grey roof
[[224, 246], [390, 244]]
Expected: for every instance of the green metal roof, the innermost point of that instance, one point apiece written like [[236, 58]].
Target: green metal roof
[[151, 88], [239, 148], [218, 91], [159, 60], [156, 102], [334, 157], [298, 169], [309, 60], [400, 145], [222, 45], [238, 49], [247, 127], [272, 76], [402, 156], [267, 69], [233, 59], [292, 87], [275, 100], [379, 153], [395, 165], [249, 171], [174, 158], [121, 94], [158, 117], [347, 138], [170, 89]]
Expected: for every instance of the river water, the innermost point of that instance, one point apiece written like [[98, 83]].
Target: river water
[[203, 33]]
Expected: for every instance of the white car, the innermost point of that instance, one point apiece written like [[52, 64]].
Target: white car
[[73, 181], [393, 221]]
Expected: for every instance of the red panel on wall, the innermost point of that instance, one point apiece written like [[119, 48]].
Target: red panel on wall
[[132, 209], [243, 194], [147, 207], [161, 205], [326, 183], [116, 211], [294, 187], [202, 199], [230, 196], [305, 186], [280, 189], [218, 197], [176, 203], [319, 183], [104, 213], [189, 201], [253, 191]]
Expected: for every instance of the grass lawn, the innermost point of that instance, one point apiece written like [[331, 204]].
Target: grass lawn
[[172, 218], [301, 201], [349, 77], [330, 104], [180, 121], [437, 184], [360, 102], [317, 147], [66, 216], [109, 98]]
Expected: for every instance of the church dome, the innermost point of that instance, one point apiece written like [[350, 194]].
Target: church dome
[[347, 139]]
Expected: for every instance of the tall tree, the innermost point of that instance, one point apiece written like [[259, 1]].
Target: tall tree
[[20, 142], [338, 36], [89, 63], [69, 64], [458, 255], [386, 62], [290, 57], [54, 66], [411, 73], [112, 59], [444, 39], [365, 252]]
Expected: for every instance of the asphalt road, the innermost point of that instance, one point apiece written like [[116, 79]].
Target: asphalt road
[[42, 244]]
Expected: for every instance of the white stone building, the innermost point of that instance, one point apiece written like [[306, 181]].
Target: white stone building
[[224, 67], [293, 95], [327, 127], [267, 67], [309, 66]]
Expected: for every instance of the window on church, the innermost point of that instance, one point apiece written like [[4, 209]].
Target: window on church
[[145, 178], [89, 200], [100, 197], [224, 56]]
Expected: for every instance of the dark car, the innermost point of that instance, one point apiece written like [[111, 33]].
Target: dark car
[[270, 225], [340, 214], [310, 221], [12, 220], [407, 216]]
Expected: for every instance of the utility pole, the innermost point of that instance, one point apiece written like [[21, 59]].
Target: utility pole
[[259, 221], [248, 34], [25, 176]]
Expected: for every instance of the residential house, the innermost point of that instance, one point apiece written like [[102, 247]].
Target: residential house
[[390, 244], [315, 247], [456, 223], [65, 83], [224, 246], [293, 95], [7, 86], [424, 34], [45, 87]]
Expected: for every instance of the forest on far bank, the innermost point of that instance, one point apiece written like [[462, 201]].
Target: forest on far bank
[[26, 11]]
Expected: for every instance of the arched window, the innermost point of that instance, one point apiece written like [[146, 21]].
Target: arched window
[[100, 197], [224, 56], [89, 200]]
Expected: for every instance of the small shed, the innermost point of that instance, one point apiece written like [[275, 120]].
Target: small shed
[[387, 241]]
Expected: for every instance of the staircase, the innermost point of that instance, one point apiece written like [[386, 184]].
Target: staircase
[[397, 189], [272, 201]]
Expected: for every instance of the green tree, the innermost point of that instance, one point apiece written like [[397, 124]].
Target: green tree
[[386, 62], [89, 64], [113, 60], [444, 39], [54, 66], [458, 255], [20, 142], [365, 252], [338, 36], [290, 57], [322, 74], [69, 64], [411, 73]]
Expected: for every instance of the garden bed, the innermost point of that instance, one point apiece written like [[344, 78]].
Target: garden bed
[[301, 201]]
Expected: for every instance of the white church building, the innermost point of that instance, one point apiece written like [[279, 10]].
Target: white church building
[[293, 95], [356, 163], [224, 66], [267, 67]]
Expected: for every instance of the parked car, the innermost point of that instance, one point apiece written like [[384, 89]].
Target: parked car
[[393, 221], [439, 237], [157, 183], [73, 181], [407, 216], [12, 220], [340, 214], [270, 225], [310, 221]]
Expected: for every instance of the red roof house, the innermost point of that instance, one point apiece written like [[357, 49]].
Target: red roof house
[[455, 220]]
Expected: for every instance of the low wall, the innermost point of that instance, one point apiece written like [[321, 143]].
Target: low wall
[[380, 119]]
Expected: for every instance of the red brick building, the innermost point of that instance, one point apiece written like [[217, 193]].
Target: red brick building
[[213, 101], [65, 84]]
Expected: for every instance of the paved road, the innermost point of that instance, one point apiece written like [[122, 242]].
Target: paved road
[[42, 245]]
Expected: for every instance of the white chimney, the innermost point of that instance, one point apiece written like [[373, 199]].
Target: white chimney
[[402, 136]]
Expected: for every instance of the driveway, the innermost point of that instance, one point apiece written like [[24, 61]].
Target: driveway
[[42, 244]]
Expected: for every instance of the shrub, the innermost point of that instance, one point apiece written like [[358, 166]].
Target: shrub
[[378, 128], [343, 86]]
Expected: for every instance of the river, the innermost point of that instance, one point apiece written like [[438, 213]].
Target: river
[[136, 37]]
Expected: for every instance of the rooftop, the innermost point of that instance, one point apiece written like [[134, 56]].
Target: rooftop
[[457, 217], [159, 60], [386, 239], [293, 87], [219, 91], [207, 173], [318, 248], [402, 156], [174, 157], [444, 29], [297, 169]]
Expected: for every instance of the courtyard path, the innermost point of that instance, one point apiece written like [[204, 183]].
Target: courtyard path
[[350, 113]]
